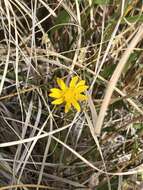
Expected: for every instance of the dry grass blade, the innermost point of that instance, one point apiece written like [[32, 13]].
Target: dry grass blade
[[79, 36], [78, 155], [26, 186], [91, 127], [111, 40], [30, 139], [92, 109], [41, 146], [114, 79], [45, 153]]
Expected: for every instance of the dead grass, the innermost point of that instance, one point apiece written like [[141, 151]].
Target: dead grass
[[41, 146]]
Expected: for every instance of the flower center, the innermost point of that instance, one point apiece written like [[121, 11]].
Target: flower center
[[69, 94]]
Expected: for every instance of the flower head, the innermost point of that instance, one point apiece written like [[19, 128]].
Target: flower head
[[69, 95]]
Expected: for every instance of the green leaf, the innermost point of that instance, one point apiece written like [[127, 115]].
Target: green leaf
[[61, 20], [101, 2], [108, 70], [63, 17], [135, 18], [138, 126]]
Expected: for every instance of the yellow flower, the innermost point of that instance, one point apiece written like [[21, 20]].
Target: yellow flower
[[70, 95]]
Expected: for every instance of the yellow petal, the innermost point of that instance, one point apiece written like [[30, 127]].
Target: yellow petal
[[73, 81], [81, 88], [67, 107], [76, 105], [80, 83], [58, 101], [55, 90], [56, 93], [81, 97], [61, 84]]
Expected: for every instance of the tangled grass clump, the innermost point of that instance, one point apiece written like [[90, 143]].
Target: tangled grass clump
[[97, 145]]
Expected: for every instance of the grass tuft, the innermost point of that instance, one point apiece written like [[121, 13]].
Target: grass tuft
[[98, 145]]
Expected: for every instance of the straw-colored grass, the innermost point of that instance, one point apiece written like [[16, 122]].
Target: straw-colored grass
[[41, 146]]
